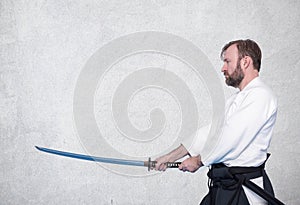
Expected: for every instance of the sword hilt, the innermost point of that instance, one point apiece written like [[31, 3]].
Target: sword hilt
[[151, 164]]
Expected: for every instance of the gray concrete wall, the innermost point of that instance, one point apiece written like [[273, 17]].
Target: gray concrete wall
[[79, 76]]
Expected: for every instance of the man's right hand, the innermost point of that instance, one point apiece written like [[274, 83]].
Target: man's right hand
[[174, 155], [161, 163]]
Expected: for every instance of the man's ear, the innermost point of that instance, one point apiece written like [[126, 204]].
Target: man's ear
[[246, 62]]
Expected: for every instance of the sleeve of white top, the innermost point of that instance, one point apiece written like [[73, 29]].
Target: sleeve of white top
[[195, 144], [242, 126]]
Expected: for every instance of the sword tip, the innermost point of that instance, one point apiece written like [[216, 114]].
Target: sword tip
[[38, 148]]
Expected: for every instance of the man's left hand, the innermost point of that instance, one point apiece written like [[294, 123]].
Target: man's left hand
[[191, 164]]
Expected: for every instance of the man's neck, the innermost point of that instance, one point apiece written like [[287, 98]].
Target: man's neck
[[247, 80]]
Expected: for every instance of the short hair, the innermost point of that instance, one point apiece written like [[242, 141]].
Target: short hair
[[246, 48]]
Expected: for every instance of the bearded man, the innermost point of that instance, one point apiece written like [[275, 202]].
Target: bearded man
[[238, 160]]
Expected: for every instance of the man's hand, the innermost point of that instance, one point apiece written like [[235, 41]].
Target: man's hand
[[174, 155], [191, 164], [160, 163]]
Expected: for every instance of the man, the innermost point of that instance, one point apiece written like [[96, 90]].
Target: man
[[241, 152]]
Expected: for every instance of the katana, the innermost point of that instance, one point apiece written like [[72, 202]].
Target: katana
[[150, 164]]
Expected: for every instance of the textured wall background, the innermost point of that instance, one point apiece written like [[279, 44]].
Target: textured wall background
[[44, 45]]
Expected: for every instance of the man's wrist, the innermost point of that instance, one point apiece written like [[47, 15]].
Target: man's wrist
[[200, 164]]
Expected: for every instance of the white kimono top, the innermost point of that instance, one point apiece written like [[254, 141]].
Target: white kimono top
[[250, 117]]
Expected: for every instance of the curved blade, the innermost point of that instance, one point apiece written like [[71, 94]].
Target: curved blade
[[93, 158]]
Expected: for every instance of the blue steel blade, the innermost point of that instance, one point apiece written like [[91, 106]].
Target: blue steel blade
[[92, 158]]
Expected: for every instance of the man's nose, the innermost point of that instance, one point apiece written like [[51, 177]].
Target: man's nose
[[224, 68]]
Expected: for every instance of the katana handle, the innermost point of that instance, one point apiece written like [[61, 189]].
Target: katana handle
[[151, 164], [173, 164]]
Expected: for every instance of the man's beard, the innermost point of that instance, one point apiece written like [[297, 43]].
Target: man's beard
[[236, 77]]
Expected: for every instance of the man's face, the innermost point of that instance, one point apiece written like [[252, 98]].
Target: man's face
[[232, 69]]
